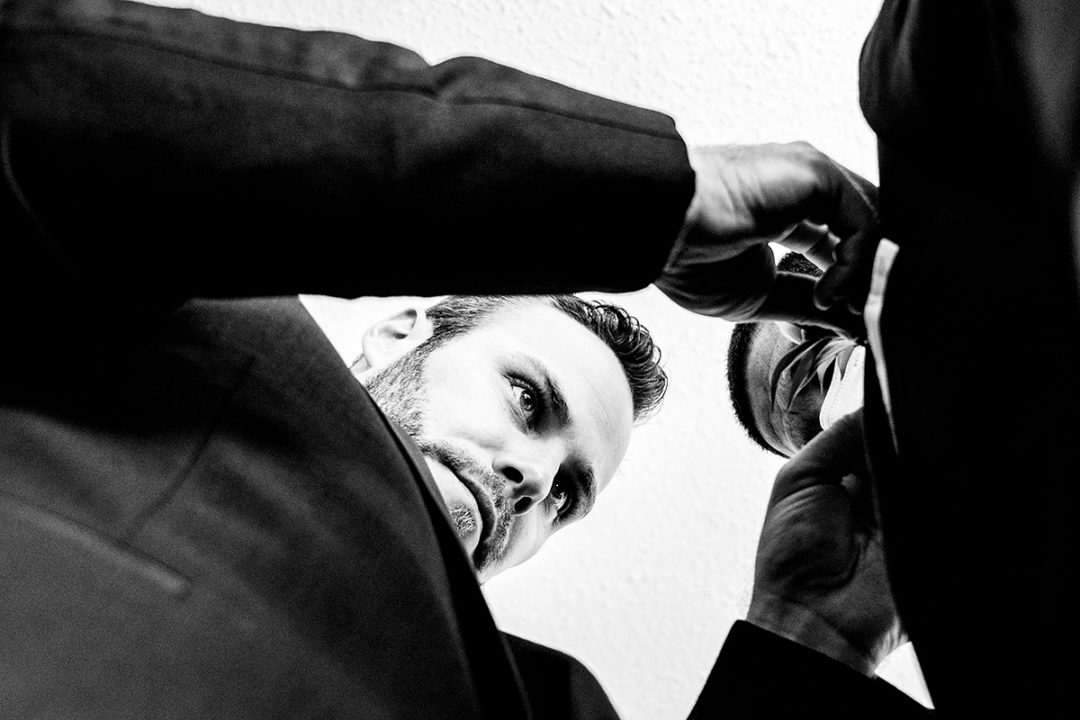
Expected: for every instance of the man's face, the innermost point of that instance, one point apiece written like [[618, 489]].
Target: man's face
[[522, 420], [788, 383]]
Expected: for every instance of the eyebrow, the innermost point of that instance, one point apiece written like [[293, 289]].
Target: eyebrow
[[551, 389]]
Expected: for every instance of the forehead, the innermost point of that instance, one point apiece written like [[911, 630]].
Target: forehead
[[767, 348], [586, 371]]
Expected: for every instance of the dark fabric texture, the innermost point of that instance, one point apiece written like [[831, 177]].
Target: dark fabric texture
[[202, 514], [168, 151], [979, 503], [557, 685], [762, 675], [217, 521]]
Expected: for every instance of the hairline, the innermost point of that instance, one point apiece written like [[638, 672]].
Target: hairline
[[497, 305], [738, 377]]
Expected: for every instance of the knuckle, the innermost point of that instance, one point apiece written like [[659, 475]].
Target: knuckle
[[789, 472]]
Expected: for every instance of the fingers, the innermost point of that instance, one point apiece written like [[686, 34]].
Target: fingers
[[735, 289], [848, 279], [814, 242], [861, 494], [791, 331], [846, 204], [857, 203], [856, 223], [827, 459], [749, 196], [791, 299]]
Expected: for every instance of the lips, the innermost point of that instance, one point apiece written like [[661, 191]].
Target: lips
[[487, 511]]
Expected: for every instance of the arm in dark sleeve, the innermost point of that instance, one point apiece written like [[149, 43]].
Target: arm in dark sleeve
[[557, 685], [164, 150], [1047, 51], [762, 675]]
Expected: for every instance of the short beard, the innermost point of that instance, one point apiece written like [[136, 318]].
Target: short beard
[[400, 392], [491, 552]]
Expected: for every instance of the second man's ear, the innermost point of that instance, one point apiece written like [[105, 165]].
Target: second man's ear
[[392, 337]]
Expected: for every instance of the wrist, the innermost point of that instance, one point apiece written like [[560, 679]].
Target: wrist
[[803, 625], [690, 220]]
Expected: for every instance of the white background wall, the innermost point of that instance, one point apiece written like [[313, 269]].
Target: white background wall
[[645, 590]]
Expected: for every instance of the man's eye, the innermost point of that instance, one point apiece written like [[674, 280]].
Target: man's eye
[[526, 399], [560, 496]]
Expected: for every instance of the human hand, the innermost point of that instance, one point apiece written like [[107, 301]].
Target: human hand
[[820, 576], [792, 194]]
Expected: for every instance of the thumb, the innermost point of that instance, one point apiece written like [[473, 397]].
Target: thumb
[[827, 459]]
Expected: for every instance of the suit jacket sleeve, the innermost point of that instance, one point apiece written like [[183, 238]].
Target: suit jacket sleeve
[[758, 675], [163, 150], [558, 686], [762, 675]]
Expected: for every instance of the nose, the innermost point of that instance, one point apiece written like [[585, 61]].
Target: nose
[[529, 469]]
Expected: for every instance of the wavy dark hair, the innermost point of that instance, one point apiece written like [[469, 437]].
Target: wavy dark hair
[[622, 332]]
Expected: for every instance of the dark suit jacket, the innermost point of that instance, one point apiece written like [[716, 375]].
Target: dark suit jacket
[[214, 519], [976, 123], [204, 514]]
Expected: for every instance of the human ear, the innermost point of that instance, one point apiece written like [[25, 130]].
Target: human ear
[[392, 337]]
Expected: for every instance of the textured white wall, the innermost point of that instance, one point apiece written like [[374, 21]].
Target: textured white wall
[[645, 590]]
